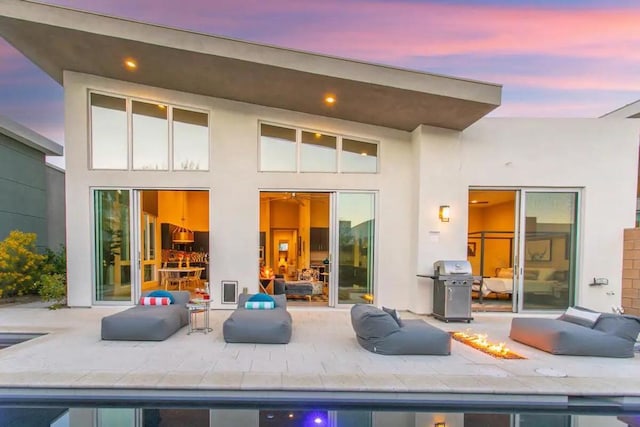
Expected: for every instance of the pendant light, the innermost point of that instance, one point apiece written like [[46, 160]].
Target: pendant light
[[183, 234]]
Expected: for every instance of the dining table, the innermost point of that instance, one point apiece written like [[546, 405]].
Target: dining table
[[180, 275]]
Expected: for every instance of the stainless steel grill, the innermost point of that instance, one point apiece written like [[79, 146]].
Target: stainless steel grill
[[452, 282]]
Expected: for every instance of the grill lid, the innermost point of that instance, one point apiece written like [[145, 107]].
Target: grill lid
[[450, 267]]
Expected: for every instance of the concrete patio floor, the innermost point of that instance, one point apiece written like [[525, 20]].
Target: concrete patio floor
[[323, 363]]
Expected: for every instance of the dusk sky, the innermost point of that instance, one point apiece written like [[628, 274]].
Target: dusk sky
[[554, 58]]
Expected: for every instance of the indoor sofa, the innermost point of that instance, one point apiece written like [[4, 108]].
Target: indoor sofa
[[579, 332], [148, 322], [272, 326], [383, 332]]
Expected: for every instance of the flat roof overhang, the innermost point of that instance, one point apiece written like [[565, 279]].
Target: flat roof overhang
[[58, 39], [28, 137]]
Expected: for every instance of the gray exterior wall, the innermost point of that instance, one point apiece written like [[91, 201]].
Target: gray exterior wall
[[55, 207], [23, 188]]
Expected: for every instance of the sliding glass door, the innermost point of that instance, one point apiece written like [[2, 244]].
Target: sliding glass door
[[112, 218], [548, 249], [355, 242]]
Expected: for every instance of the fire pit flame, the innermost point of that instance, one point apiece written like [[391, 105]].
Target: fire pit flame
[[480, 342]]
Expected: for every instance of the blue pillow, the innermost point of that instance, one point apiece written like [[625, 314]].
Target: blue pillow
[[261, 297], [161, 293]]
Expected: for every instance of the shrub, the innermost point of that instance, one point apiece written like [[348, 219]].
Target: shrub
[[53, 288], [55, 261], [20, 264]]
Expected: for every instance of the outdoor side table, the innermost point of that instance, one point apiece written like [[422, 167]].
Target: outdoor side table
[[195, 307]]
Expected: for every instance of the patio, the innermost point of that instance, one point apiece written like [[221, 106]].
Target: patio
[[322, 363]]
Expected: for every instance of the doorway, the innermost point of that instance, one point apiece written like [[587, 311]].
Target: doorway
[[321, 244], [149, 239], [522, 245]]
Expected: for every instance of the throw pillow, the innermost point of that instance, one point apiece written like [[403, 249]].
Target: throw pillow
[[261, 298], [393, 313], [505, 273], [165, 294], [259, 305], [155, 301], [580, 316]]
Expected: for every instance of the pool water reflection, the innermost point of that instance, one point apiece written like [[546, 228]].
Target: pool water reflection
[[264, 417]]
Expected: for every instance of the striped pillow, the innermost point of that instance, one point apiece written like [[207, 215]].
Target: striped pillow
[[155, 301], [259, 305]]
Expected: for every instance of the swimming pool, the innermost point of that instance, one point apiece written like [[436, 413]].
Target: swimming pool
[[157, 415]]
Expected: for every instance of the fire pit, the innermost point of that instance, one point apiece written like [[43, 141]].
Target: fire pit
[[480, 342]]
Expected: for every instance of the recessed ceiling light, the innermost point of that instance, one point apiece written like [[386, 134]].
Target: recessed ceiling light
[[318, 135], [363, 153], [130, 64], [330, 99]]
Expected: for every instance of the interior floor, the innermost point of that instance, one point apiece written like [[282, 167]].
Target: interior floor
[[497, 302]]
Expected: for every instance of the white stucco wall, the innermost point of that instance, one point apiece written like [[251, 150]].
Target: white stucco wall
[[597, 156], [419, 171], [235, 184]]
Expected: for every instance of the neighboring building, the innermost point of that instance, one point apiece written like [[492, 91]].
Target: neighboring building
[[31, 191], [231, 153]]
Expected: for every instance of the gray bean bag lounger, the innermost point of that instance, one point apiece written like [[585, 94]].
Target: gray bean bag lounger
[[148, 323], [378, 332], [612, 335], [259, 326]]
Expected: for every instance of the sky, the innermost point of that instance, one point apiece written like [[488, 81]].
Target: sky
[[554, 58]]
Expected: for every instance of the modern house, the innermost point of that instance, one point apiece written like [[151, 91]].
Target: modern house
[[31, 190], [236, 155]]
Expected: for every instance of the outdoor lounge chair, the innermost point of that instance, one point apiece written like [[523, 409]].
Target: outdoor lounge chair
[[579, 332], [379, 332], [259, 326], [148, 323]]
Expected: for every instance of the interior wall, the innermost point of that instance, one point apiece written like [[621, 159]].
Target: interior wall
[[194, 205]]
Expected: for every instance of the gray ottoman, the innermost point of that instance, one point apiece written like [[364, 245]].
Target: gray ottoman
[[259, 326], [147, 323], [378, 332], [611, 336]]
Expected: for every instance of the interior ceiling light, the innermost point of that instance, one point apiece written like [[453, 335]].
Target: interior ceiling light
[[183, 234], [130, 64], [330, 99]]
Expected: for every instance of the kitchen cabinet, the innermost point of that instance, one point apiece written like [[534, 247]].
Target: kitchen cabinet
[[319, 238]]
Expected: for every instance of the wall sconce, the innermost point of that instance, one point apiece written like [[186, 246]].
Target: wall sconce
[[440, 424], [444, 213]]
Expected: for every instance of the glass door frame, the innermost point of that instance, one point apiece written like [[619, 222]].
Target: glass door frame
[[334, 241], [133, 240], [518, 280]]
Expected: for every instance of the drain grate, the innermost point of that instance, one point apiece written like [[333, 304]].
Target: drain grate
[[7, 339]]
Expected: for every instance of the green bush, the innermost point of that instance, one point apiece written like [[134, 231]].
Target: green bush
[[20, 264], [55, 262], [53, 288]]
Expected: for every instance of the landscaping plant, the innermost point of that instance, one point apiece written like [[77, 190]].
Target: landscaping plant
[[20, 264]]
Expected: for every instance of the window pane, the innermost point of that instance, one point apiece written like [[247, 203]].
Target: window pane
[[318, 152], [359, 156], [150, 136], [277, 149], [108, 132], [190, 140]]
